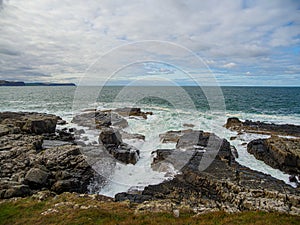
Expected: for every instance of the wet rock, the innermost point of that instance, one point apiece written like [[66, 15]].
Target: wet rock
[[126, 135], [279, 153], [172, 136], [132, 112], [99, 119], [191, 139], [110, 136], [112, 141], [262, 127], [224, 185]]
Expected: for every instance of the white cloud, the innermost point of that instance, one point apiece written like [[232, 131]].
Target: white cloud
[[53, 38], [229, 65]]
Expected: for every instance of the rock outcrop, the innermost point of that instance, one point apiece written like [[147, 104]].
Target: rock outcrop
[[28, 165], [262, 128], [132, 112], [279, 153], [112, 141], [223, 185], [99, 119], [33, 123]]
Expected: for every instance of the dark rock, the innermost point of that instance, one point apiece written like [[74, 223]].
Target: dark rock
[[99, 119], [54, 143], [112, 141], [36, 178], [70, 185], [16, 191], [262, 127], [132, 197], [173, 136], [191, 139], [132, 112], [279, 153], [110, 136], [126, 135], [61, 122]]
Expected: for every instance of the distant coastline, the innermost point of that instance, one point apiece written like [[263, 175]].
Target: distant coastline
[[21, 83]]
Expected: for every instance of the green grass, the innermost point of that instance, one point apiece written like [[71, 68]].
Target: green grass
[[28, 211]]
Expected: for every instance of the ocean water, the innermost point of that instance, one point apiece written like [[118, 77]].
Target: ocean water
[[173, 108]]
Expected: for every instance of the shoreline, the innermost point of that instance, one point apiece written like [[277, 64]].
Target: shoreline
[[38, 128]]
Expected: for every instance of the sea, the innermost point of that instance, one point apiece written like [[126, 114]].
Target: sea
[[173, 108]]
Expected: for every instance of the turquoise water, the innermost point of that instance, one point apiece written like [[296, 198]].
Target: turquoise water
[[255, 100]]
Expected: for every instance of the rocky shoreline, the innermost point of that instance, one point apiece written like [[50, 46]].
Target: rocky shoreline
[[35, 157]]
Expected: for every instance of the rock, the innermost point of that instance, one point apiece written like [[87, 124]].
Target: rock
[[188, 125], [234, 151], [262, 127], [16, 191], [112, 141], [110, 136], [69, 185], [126, 135], [61, 122], [124, 153], [224, 185], [191, 139], [33, 123], [172, 136], [99, 119], [132, 197], [132, 112], [36, 178], [233, 122], [277, 152], [54, 143]]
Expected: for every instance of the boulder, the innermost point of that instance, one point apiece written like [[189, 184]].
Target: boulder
[[173, 136], [279, 153], [36, 178], [132, 112], [99, 119], [110, 136], [112, 141]]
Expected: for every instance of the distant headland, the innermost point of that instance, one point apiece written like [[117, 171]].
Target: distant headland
[[21, 83]]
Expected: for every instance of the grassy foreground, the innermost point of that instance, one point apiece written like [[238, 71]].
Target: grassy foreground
[[72, 209]]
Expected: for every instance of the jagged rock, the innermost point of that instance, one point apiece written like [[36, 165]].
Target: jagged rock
[[280, 153], [112, 141], [36, 177], [193, 138], [33, 123], [110, 136], [15, 191], [132, 112], [224, 185], [132, 197], [99, 119], [262, 127], [172, 136], [126, 135], [54, 143]]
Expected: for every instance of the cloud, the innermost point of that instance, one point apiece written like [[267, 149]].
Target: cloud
[[229, 65], [65, 37]]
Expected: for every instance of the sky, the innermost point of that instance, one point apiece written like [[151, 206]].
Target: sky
[[91, 42]]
